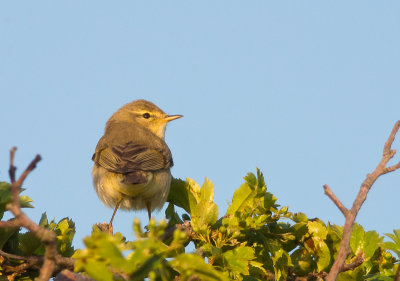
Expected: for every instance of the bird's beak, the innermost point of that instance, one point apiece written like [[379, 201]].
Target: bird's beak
[[172, 117]]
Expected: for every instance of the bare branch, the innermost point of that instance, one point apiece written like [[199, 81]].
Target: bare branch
[[48, 237], [392, 168], [12, 168], [335, 200], [356, 262], [9, 223], [350, 216], [390, 140]]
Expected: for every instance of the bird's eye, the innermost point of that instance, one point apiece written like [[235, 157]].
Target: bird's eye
[[146, 115]]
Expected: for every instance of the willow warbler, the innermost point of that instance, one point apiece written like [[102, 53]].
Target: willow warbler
[[132, 161]]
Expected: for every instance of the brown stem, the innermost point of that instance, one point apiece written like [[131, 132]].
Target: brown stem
[[335, 200], [12, 169], [362, 195], [48, 237]]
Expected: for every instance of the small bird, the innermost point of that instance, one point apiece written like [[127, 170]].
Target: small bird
[[132, 162]]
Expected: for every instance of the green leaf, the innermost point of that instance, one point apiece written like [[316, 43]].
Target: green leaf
[[65, 231], [260, 179], [299, 217], [99, 271], [251, 180], [205, 211], [372, 241], [317, 229], [179, 195], [6, 233], [237, 260], [30, 244], [395, 245], [25, 201], [357, 238], [190, 265], [324, 257], [207, 191], [242, 197], [172, 216], [281, 261]]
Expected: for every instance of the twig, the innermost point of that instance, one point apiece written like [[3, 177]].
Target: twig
[[355, 263], [185, 227], [350, 216], [335, 200], [12, 169], [48, 237]]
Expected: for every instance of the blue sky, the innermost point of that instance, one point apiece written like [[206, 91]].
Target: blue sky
[[307, 91]]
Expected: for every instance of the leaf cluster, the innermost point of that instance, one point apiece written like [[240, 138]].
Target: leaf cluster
[[14, 241], [256, 239]]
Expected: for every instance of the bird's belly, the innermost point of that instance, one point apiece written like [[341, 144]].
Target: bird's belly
[[109, 187]]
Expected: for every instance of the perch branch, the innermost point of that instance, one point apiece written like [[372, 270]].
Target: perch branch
[[350, 216]]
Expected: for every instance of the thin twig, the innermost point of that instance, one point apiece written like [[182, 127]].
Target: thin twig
[[12, 169], [48, 237], [35, 259], [356, 262], [335, 200], [362, 195]]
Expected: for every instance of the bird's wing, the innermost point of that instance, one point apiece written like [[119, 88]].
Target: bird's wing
[[131, 157]]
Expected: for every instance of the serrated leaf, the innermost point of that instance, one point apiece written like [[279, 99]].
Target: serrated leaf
[[251, 180], [357, 238], [242, 197], [25, 201], [65, 231], [372, 240], [207, 191], [30, 244], [282, 261], [260, 179], [299, 217], [269, 201], [194, 188], [237, 260], [43, 222]]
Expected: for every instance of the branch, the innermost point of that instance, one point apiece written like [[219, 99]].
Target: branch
[[350, 216], [48, 237], [335, 200], [12, 169], [185, 227]]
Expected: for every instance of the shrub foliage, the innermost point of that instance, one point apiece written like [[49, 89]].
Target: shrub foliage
[[256, 239]]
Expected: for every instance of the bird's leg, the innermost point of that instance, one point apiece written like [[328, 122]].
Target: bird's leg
[[110, 227], [148, 205]]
